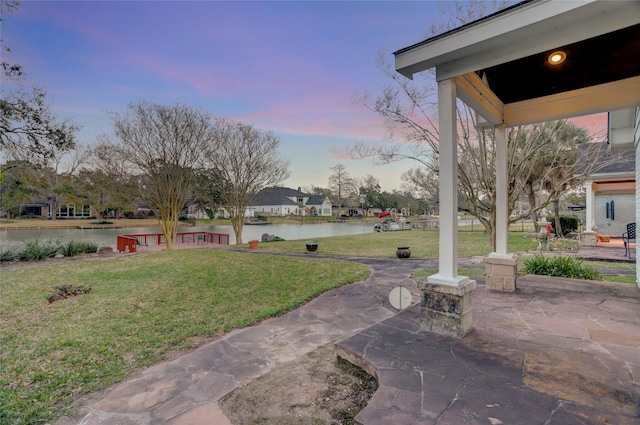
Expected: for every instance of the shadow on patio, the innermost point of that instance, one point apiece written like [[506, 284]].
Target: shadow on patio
[[608, 251], [557, 351]]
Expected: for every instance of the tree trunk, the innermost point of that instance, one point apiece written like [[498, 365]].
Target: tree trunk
[[53, 209], [531, 196], [556, 213], [168, 219], [237, 222], [169, 228], [492, 231]]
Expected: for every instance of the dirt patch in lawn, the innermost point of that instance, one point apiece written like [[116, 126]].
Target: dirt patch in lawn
[[316, 389], [63, 292]]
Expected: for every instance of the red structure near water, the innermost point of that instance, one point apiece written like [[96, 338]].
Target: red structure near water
[[155, 241]]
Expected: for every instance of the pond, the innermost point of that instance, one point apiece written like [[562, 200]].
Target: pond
[[107, 237]]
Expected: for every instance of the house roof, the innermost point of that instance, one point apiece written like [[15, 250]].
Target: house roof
[[286, 191], [316, 199], [615, 162], [500, 61], [275, 196]]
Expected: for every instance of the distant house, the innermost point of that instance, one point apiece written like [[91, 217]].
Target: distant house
[[43, 209], [194, 211], [283, 201], [318, 205], [611, 192]]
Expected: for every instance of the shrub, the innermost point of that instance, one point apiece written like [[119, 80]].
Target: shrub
[[74, 248], [569, 223], [274, 239], [7, 255], [36, 250], [560, 266]]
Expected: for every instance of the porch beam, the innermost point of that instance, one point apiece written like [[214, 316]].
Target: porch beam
[[607, 97], [476, 93]]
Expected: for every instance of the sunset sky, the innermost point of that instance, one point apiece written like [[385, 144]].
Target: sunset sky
[[295, 68]]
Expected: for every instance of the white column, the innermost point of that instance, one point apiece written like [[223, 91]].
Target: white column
[[448, 180], [502, 193], [590, 218]]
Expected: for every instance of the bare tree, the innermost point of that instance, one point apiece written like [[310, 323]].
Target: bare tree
[[106, 181], [540, 156], [247, 160], [317, 190], [550, 168], [164, 145], [423, 184], [342, 186]]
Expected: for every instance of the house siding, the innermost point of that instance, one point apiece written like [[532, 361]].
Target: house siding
[[284, 201], [624, 212], [277, 210]]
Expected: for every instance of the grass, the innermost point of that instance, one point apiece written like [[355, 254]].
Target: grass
[[140, 309], [423, 244]]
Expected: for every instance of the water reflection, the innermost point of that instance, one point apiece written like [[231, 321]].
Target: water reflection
[[107, 237]]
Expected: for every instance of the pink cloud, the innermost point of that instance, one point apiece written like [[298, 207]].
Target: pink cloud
[[318, 114], [205, 79], [339, 153], [595, 125]]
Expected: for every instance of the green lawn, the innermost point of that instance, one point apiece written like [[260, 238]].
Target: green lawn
[[423, 244], [140, 309]]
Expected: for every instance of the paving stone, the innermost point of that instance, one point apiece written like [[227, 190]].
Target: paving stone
[[207, 414], [555, 351]]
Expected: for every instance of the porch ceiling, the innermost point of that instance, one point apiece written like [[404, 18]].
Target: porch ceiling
[[607, 58]]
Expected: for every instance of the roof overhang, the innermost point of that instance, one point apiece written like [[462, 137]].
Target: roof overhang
[[623, 125], [527, 29], [499, 62]]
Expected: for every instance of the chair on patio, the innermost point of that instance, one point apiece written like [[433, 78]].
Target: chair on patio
[[628, 237]]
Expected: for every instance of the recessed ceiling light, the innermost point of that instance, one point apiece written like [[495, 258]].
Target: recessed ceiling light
[[557, 57]]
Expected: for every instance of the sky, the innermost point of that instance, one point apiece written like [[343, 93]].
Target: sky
[[296, 68]]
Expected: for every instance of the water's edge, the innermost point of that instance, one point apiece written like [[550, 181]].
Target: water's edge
[[107, 237]]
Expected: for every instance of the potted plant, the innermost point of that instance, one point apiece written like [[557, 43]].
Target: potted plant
[[253, 244], [403, 252]]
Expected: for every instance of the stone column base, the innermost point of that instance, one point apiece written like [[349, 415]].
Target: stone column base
[[588, 239], [446, 309], [502, 273]]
